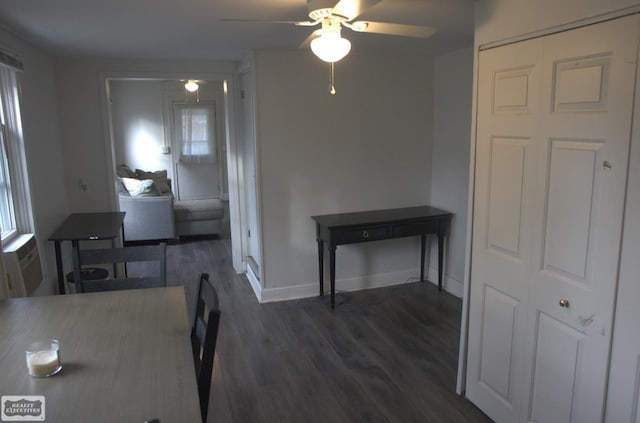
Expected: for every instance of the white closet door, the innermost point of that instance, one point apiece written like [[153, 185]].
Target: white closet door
[[506, 156], [556, 336]]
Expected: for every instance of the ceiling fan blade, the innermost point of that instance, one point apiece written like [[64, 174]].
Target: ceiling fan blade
[[307, 43], [298, 23], [351, 9], [402, 30]]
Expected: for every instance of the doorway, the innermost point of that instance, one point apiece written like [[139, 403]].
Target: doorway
[[158, 125], [155, 100]]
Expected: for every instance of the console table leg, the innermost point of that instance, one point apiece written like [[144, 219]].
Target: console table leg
[[423, 243], [332, 274], [321, 265], [440, 258]]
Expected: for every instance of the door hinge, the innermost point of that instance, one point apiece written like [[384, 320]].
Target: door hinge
[[242, 94], [248, 233]]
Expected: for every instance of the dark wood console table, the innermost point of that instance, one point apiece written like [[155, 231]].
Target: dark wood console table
[[84, 226], [351, 228]]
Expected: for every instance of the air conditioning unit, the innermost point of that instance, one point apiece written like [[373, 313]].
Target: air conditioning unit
[[22, 264]]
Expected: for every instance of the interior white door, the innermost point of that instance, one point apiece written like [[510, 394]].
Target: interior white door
[[554, 121], [195, 180]]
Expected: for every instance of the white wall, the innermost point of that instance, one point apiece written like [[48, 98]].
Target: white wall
[[45, 165], [138, 125], [453, 78], [497, 20], [368, 147], [83, 119]]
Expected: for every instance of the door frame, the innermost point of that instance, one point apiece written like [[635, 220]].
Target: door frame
[[247, 68], [230, 92]]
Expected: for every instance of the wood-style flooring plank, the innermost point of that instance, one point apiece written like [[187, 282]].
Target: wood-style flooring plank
[[383, 355]]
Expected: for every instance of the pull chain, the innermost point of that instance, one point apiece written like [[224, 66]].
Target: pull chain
[[186, 96], [332, 87]]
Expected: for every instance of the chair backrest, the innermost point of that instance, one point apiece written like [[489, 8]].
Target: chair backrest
[[146, 253], [203, 339]]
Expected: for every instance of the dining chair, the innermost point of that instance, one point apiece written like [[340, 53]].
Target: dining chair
[[203, 339], [124, 255]]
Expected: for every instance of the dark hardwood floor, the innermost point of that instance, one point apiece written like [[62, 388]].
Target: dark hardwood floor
[[383, 355]]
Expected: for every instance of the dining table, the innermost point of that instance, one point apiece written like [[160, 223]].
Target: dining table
[[126, 355]]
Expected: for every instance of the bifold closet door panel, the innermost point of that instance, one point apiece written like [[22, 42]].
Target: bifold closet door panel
[[506, 158]]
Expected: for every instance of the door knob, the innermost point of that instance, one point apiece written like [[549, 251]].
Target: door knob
[[564, 302]]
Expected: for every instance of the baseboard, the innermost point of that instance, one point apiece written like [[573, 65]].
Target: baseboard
[[449, 284], [352, 284], [254, 282]]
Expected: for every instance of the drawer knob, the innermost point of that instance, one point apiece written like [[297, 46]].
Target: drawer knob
[[365, 234], [564, 302]]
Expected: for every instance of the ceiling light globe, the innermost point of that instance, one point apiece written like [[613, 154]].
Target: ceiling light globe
[[191, 86], [330, 47]]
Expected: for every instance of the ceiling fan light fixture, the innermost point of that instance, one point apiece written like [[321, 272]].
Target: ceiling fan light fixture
[[330, 46], [191, 86]]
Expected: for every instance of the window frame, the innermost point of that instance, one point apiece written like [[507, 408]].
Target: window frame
[[14, 149], [6, 188]]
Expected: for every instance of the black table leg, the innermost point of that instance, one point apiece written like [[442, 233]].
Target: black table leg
[[332, 272], [440, 258], [321, 265], [61, 289], [423, 243], [77, 276]]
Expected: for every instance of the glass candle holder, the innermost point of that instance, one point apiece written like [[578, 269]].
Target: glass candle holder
[[43, 358]]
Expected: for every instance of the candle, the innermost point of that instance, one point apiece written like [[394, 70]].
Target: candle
[[43, 358]]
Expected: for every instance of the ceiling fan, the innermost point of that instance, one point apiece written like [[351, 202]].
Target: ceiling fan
[[327, 43]]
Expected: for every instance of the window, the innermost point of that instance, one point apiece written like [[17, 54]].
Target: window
[[15, 207], [194, 126], [7, 215]]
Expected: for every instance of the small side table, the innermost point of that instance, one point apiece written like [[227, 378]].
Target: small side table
[[85, 227]]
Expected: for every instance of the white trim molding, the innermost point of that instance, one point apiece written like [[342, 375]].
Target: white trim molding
[[449, 284], [310, 289]]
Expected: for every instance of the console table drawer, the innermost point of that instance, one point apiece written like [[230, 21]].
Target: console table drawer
[[416, 228], [364, 234]]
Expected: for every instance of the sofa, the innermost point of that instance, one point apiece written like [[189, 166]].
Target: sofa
[[148, 218], [152, 213]]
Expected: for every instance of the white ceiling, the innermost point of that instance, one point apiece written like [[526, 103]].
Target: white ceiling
[[191, 29]]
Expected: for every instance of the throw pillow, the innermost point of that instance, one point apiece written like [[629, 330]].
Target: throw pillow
[[124, 171], [159, 178], [139, 188]]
